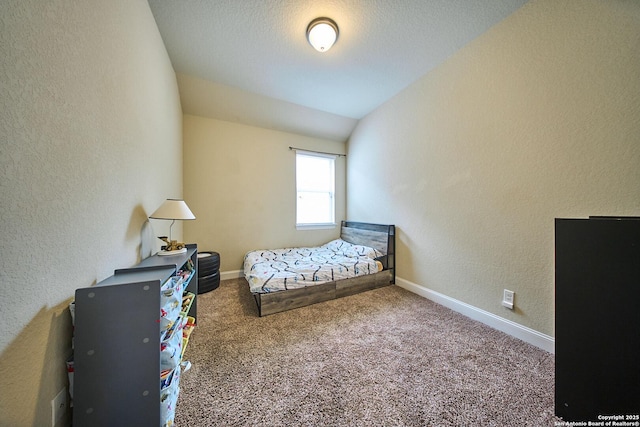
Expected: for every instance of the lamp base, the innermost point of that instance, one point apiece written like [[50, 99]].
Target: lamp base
[[176, 252]]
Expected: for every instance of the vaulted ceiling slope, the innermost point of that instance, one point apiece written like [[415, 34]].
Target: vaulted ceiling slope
[[256, 52]]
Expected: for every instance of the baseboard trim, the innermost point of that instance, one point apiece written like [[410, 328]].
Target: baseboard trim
[[531, 336], [234, 274]]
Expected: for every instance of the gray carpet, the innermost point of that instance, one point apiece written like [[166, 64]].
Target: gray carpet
[[385, 357]]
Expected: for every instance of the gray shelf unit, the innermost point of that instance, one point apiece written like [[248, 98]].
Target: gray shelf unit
[[117, 343]]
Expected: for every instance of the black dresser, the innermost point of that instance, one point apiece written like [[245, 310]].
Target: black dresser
[[597, 318]]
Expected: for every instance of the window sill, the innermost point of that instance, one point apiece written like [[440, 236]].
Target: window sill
[[325, 226]]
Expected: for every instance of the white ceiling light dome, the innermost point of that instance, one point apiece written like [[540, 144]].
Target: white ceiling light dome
[[322, 33]]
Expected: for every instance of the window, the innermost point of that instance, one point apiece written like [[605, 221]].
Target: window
[[315, 186]]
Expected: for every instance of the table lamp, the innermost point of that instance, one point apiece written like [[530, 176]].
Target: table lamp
[[173, 209]]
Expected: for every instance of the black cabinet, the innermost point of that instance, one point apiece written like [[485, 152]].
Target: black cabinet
[[597, 317]]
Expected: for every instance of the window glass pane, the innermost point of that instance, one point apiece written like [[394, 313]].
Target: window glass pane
[[314, 173], [315, 179], [314, 208]]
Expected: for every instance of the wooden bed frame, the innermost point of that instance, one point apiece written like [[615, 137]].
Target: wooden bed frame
[[380, 237]]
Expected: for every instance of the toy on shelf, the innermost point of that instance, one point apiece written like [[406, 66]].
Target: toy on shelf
[[172, 245]]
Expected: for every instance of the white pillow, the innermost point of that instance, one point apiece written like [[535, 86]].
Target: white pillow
[[349, 249]]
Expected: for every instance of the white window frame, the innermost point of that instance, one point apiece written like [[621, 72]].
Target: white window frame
[[332, 193]]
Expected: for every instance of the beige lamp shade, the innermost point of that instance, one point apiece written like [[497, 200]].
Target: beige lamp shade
[[173, 209]]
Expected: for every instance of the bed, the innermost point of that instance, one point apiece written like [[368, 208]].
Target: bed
[[288, 278]]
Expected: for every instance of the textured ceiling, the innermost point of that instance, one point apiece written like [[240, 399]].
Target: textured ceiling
[[259, 46]]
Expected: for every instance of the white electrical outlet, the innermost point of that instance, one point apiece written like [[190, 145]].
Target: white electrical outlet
[[507, 299], [58, 406]]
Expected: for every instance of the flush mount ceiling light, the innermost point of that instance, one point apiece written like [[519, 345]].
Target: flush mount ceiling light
[[322, 33]]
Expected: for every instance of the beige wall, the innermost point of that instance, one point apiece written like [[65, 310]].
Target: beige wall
[[536, 119], [239, 181], [90, 136]]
